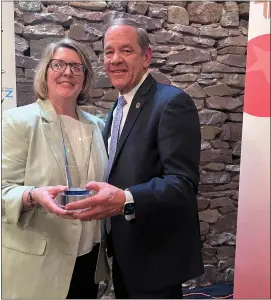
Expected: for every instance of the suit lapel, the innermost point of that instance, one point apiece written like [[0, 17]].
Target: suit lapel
[[107, 128], [136, 106]]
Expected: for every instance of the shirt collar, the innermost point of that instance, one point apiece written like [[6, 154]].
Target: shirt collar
[[129, 96]]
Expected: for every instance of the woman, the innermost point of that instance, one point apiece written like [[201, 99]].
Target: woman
[[46, 253]]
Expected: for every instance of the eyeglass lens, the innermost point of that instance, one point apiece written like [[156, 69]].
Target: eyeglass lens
[[59, 65]]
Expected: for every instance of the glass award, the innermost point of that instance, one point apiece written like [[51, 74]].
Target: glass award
[[76, 145]]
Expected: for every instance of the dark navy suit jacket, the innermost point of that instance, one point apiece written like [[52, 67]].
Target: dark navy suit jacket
[[157, 159]]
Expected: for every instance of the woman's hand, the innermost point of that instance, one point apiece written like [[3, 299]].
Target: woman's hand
[[45, 196]]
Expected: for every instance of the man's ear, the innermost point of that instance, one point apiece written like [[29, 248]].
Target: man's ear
[[148, 57]]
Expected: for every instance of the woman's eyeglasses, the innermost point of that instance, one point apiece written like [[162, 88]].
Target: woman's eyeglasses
[[60, 66]]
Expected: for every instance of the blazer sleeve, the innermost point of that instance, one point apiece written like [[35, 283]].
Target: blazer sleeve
[[15, 144], [179, 143]]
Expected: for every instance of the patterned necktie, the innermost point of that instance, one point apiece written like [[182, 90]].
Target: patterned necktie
[[115, 133], [113, 144]]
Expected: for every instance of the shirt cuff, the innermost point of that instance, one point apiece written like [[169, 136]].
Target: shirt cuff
[[129, 199]]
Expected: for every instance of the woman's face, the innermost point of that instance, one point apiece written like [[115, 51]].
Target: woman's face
[[65, 84]]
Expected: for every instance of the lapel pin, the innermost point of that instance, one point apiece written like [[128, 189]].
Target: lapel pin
[[137, 105]]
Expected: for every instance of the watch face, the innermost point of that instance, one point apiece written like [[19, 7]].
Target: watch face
[[129, 209]]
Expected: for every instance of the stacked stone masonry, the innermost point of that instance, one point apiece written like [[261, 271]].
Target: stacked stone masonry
[[199, 47]]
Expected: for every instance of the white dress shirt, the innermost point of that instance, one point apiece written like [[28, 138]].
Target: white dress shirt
[[129, 98]]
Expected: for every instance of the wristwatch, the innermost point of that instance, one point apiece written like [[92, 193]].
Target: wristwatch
[[129, 206]]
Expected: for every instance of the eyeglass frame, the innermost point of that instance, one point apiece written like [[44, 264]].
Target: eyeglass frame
[[67, 64]]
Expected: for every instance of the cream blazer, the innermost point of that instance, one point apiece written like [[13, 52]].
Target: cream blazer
[[39, 249]]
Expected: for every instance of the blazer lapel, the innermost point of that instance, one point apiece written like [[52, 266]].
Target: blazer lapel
[[136, 106], [51, 128]]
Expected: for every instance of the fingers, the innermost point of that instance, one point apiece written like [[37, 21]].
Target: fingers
[[52, 207], [94, 185], [97, 213], [85, 203], [88, 214], [58, 188]]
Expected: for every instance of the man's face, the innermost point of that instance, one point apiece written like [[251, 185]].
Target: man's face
[[124, 60]]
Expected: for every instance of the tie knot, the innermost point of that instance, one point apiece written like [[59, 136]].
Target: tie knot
[[121, 101]]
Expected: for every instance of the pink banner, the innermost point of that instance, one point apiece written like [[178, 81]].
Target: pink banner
[[252, 261]]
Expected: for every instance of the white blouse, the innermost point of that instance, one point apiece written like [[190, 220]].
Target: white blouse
[[77, 139]]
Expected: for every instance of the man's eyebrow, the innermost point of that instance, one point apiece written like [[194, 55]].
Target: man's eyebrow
[[122, 46], [126, 46]]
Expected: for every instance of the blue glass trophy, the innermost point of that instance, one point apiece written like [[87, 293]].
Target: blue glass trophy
[[76, 144]]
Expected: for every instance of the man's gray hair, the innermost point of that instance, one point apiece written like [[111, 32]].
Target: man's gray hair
[[143, 38]]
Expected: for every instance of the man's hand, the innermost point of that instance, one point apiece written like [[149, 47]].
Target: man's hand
[[108, 202]]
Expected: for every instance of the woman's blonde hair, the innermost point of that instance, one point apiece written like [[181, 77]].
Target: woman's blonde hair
[[40, 79]]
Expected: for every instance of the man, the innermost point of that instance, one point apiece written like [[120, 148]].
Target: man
[[153, 174]]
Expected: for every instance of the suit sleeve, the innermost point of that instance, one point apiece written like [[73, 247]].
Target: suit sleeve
[[14, 155], [179, 142]]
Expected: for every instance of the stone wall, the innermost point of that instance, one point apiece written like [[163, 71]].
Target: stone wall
[[197, 46]]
